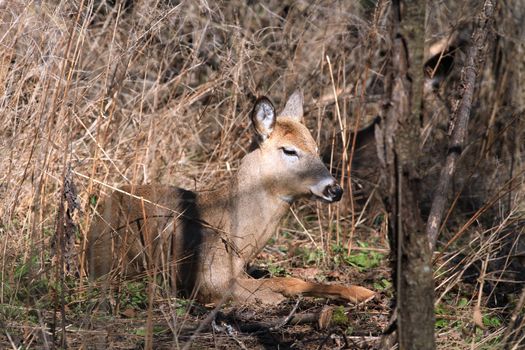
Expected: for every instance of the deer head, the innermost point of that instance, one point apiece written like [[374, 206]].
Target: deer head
[[289, 164]]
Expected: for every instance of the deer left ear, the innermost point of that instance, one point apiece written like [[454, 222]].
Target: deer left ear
[[263, 117], [294, 107]]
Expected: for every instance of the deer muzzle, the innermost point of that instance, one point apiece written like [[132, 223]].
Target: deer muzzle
[[334, 192], [327, 190]]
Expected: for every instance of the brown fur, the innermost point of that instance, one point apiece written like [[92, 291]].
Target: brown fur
[[203, 241]]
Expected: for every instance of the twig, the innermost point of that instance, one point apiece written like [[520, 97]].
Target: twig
[[205, 323], [462, 115], [507, 338], [325, 339], [247, 326], [11, 340], [230, 331], [287, 318]]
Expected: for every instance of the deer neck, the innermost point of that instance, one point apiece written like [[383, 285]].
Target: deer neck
[[257, 211], [245, 210]]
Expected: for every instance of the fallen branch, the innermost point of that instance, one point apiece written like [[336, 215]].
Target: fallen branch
[[322, 319], [287, 318]]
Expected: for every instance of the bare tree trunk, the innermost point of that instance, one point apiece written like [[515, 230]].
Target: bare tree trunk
[[398, 148], [459, 122]]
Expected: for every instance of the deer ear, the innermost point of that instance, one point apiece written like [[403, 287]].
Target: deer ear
[[263, 117], [294, 107]]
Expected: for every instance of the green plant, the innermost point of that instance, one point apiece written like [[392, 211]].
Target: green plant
[[339, 316], [362, 259], [93, 199], [26, 285], [310, 256], [491, 321], [383, 285], [182, 306], [463, 302], [157, 330], [441, 323], [276, 270], [133, 295]]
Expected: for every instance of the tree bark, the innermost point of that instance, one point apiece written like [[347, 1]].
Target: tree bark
[[461, 118], [398, 148]]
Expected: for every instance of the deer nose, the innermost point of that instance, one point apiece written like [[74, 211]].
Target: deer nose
[[334, 192]]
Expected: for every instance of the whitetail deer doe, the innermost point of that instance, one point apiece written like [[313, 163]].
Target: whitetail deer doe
[[204, 241]]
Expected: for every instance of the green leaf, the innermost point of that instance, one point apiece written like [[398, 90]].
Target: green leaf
[[441, 323], [491, 321], [462, 302], [339, 316]]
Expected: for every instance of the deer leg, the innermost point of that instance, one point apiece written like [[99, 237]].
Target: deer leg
[[274, 290]]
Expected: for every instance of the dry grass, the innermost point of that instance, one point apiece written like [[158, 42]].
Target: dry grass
[[133, 92]]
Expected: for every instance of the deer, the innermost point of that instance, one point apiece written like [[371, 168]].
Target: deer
[[203, 241]]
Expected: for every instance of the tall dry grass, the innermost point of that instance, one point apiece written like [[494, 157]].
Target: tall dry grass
[[142, 92], [133, 92]]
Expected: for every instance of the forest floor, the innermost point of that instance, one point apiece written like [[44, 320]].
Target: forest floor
[[128, 92], [300, 323]]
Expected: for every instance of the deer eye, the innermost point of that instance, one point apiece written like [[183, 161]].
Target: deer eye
[[289, 152]]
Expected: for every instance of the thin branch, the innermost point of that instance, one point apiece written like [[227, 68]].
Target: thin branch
[[287, 318], [511, 327], [459, 132]]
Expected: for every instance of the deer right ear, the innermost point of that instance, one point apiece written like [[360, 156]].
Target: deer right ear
[[263, 117], [294, 107]]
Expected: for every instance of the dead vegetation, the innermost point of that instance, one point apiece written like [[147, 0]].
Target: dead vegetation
[[104, 93]]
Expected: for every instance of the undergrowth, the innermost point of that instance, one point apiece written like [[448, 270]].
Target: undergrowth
[[138, 92]]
